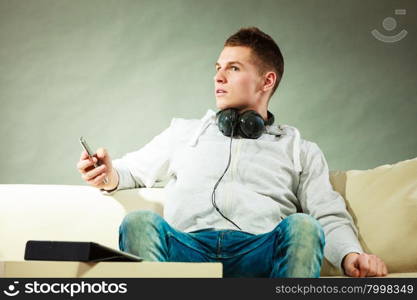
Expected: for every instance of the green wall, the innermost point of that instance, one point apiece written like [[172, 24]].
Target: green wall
[[116, 72]]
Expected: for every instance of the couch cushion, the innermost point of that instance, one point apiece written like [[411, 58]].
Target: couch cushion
[[383, 204]]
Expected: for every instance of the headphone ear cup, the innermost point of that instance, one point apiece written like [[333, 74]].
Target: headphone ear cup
[[251, 125], [271, 119], [227, 120]]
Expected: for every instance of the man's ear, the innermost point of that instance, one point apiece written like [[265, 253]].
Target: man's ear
[[269, 80]]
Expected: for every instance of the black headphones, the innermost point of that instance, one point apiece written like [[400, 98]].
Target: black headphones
[[248, 124]]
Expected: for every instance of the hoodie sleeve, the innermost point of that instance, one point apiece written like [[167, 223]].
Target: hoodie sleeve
[[149, 164], [320, 200]]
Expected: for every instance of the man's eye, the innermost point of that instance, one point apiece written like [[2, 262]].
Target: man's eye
[[236, 68]]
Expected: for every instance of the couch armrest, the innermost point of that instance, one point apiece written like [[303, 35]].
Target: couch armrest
[[66, 212]]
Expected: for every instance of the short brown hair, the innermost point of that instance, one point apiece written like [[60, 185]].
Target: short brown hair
[[267, 56]]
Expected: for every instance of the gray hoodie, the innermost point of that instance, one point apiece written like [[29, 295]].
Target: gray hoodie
[[268, 179]]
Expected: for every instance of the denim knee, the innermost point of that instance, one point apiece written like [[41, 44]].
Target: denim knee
[[300, 224], [142, 233], [140, 220]]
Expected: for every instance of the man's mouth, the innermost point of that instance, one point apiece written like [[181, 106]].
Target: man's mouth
[[220, 92]]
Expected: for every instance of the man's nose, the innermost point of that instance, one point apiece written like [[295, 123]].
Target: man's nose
[[219, 77]]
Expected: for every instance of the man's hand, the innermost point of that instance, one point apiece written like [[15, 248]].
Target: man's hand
[[95, 176], [364, 265]]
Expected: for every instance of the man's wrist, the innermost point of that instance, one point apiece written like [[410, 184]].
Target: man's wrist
[[114, 179]]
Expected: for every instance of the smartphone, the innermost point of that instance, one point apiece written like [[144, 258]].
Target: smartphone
[[90, 155]]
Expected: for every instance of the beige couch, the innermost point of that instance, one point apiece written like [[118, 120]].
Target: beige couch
[[383, 202]]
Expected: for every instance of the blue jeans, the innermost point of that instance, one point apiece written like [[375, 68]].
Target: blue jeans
[[294, 248]]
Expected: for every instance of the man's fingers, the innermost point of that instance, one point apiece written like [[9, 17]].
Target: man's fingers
[[380, 268], [84, 155], [368, 265], [93, 173], [101, 153], [351, 269], [84, 164], [373, 265], [98, 180], [363, 262], [354, 272], [385, 269]]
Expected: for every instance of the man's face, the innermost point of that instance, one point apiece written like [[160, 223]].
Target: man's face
[[237, 75]]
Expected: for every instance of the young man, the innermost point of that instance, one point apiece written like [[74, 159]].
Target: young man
[[242, 190]]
